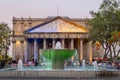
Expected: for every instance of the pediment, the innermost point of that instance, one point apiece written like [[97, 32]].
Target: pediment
[[57, 25]]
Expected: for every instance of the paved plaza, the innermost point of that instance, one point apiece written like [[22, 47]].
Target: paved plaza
[[55, 78], [59, 75]]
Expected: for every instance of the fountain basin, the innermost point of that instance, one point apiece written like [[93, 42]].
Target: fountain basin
[[56, 57]]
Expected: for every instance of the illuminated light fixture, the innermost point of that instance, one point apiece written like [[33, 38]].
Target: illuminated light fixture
[[17, 33], [18, 42]]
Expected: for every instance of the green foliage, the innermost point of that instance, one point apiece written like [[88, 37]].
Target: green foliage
[[4, 36], [4, 60], [118, 57], [104, 23], [4, 43]]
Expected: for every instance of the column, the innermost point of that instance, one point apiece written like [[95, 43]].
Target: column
[[71, 47], [35, 49], [14, 49], [22, 49], [53, 43], [63, 43], [44, 43], [26, 51], [90, 51], [72, 44], [81, 49], [29, 51]]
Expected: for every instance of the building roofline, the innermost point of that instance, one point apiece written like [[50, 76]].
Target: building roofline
[[58, 17]]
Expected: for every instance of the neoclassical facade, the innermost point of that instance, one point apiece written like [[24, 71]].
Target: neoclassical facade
[[34, 34]]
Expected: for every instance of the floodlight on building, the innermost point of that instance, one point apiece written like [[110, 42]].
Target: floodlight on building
[[18, 42]]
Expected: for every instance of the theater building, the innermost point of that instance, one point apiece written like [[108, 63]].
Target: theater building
[[34, 34]]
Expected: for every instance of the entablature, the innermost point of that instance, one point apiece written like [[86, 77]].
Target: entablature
[[57, 35]]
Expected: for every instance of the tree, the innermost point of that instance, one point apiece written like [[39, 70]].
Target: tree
[[4, 37], [105, 25]]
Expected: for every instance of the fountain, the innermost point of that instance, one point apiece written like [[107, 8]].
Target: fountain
[[20, 65], [57, 57], [58, 45], [83, 64], [95, 65]]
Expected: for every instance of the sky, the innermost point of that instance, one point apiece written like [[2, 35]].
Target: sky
[[45, 8]]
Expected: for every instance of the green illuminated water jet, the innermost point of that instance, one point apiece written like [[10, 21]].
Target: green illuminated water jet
[[56, 57]]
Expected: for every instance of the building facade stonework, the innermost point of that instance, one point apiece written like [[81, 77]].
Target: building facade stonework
[[34, 34]]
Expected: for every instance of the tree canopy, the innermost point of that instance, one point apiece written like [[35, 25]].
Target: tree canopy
[[105, 27], [4, 36]]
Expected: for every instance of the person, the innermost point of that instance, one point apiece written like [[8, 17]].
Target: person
[[109, 65], [30, 63], [14, 64], [36, 63]]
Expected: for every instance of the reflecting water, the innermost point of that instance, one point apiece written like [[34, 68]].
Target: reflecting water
[[43, 66]]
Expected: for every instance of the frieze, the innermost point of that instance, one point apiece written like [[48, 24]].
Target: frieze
[[46, 35], [58, 35]]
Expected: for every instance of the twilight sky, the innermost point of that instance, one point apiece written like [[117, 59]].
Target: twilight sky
[[45, 8]]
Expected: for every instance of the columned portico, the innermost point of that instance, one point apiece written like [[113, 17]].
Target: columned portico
[[45, 35], [71, 42]]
